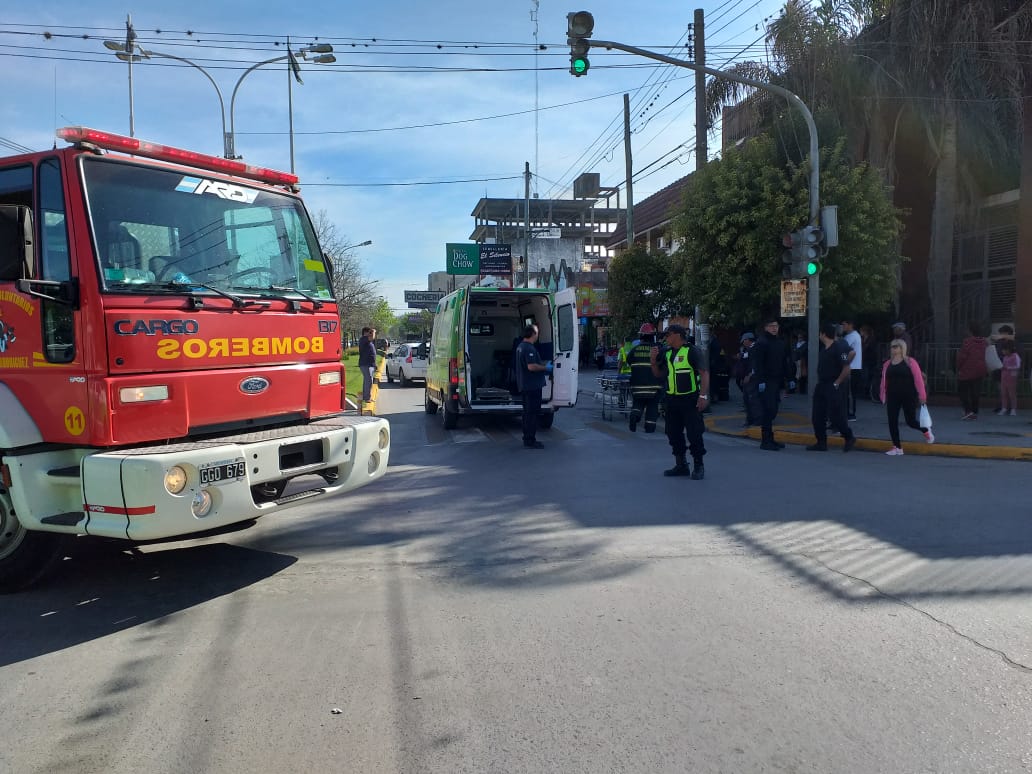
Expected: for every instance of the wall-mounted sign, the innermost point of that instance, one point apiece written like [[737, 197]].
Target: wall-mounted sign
[[793, 298]]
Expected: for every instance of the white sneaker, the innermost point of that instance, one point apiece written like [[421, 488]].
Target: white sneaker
[[930, 436], [1013, 412], [895, 451]]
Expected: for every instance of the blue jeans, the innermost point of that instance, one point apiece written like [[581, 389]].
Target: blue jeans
[[367, 381]]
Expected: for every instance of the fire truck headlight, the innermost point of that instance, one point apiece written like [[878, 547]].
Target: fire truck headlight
[[175, 480], [385, 438], [201, 504], [143, 394], [374, 462]]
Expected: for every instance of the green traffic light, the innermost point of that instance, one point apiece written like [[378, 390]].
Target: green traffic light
[[579, 66], [812, 267]]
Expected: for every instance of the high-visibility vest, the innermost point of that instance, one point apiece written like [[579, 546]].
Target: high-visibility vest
[[624, 366], [640, 361], [681, 378]]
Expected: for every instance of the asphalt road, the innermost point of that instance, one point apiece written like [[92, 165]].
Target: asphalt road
[[486, 608]]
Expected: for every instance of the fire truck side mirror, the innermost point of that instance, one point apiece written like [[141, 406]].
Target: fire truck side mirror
[[17, 243]]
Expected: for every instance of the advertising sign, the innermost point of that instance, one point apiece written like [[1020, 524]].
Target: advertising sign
[[423, 299], [793, 298], [496, 259], [463, 258]]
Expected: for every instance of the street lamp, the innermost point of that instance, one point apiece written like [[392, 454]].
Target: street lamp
[[132, 52]]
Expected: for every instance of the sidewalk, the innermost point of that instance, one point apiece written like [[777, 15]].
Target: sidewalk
[[988, 437]]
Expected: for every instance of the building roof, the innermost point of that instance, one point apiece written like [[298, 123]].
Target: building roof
[[576, 217], [651, 212]]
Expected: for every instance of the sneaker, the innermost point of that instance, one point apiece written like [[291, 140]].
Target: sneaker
[[1013, 412], [930, 436], [895, 451]]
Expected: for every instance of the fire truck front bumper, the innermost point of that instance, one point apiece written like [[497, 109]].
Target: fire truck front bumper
[[178, 489]]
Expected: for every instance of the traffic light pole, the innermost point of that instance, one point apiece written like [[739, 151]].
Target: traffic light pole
[[813, 295]]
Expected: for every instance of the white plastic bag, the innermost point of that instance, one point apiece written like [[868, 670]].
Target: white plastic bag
[[992, 358], [924, 418]]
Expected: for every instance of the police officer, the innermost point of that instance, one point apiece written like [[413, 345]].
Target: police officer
[[828, 404], [769, 361], [646, 388], [687, 386]]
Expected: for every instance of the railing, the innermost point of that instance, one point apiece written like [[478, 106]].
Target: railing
[[939, 365]]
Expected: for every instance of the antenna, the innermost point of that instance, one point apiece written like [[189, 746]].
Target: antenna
[[55, 106]]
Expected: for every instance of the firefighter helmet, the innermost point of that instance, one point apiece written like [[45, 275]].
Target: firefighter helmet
[[647, 329]]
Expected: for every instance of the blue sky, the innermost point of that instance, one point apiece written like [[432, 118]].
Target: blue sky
[[348, 116]]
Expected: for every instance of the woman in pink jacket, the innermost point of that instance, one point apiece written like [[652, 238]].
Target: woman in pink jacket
[[902, 387]]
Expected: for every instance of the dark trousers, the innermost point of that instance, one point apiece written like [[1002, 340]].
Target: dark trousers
[[531, 409], [683, 420], [770, 398], [856, 388], [828, 408], [646, 404], [751, 403], [968, 390], [909, 404]]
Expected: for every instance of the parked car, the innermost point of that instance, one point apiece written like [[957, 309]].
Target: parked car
[[407, 362]]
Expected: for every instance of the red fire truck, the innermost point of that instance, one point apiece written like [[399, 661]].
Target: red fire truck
[[170, 359]]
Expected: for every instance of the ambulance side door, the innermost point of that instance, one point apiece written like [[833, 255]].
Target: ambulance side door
[[567, 344]]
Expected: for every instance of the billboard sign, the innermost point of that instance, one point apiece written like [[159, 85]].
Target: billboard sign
[[462, 258], [793, 298], [496, 259]]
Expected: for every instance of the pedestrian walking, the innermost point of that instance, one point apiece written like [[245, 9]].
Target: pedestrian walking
[[828, 406], [903, 387], [1009, 377], [367, 364], [646, 387], [683, 366], [856, 366], [769, 358], [971, 369], [530, 379]]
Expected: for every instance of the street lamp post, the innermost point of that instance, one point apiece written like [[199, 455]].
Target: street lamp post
[[130, 52]]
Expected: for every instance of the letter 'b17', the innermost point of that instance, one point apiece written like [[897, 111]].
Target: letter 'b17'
[[579, 26]]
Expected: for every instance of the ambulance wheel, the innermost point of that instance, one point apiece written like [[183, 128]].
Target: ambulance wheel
[[25, 556], [428, 405], [545, 421], [450, 418]]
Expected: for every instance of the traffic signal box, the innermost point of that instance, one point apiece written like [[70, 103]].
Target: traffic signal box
[[579, 26], [803, 250]]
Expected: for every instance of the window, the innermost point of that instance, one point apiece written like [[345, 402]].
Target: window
[[55, 264], [15, 188]]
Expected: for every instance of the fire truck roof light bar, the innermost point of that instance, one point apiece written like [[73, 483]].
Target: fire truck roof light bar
[[117, 142]]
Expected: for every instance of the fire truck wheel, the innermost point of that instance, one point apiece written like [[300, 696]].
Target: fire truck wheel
[[24, 556]]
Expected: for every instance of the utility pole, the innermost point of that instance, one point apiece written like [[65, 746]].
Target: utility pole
[[628, 165], [701, 139], [526, 228], [130, 42]]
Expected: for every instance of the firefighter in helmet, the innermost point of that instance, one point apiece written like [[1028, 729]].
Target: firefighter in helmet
[[646, 387]]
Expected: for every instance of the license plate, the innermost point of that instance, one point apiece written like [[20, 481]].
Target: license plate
[[222, 472]]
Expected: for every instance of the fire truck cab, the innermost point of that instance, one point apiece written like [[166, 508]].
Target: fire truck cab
[[170, 359]]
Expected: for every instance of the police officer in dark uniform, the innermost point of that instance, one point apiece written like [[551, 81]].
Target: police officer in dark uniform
[[828, 404], [769, 359], [687, 396], [646, 388]]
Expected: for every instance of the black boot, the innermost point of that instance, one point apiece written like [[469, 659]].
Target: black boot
[[635, 416], [680, 467], [699, 471], [767, 444]]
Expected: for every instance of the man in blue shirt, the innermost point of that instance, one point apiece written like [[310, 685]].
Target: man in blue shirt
[[367, 362], [530, 379]]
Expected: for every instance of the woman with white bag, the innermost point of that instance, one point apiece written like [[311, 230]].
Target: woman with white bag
[[903, 387]]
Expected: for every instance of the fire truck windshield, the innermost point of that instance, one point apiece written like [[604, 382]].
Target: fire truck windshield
[[168, 231]]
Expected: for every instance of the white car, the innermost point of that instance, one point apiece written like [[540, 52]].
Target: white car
[[407, 362]]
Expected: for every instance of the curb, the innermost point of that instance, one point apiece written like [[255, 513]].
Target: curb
[[804, 438], [374, 392]]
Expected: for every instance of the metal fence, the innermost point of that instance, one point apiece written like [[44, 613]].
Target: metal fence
[[939, 365]]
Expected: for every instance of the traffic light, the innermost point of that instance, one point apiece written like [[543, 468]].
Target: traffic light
[[787, 257], [812, 249], [579, 26]]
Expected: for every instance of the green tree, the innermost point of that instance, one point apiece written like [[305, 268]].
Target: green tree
[[382, 318], [355, 291], [641, 288], [736, 211]]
